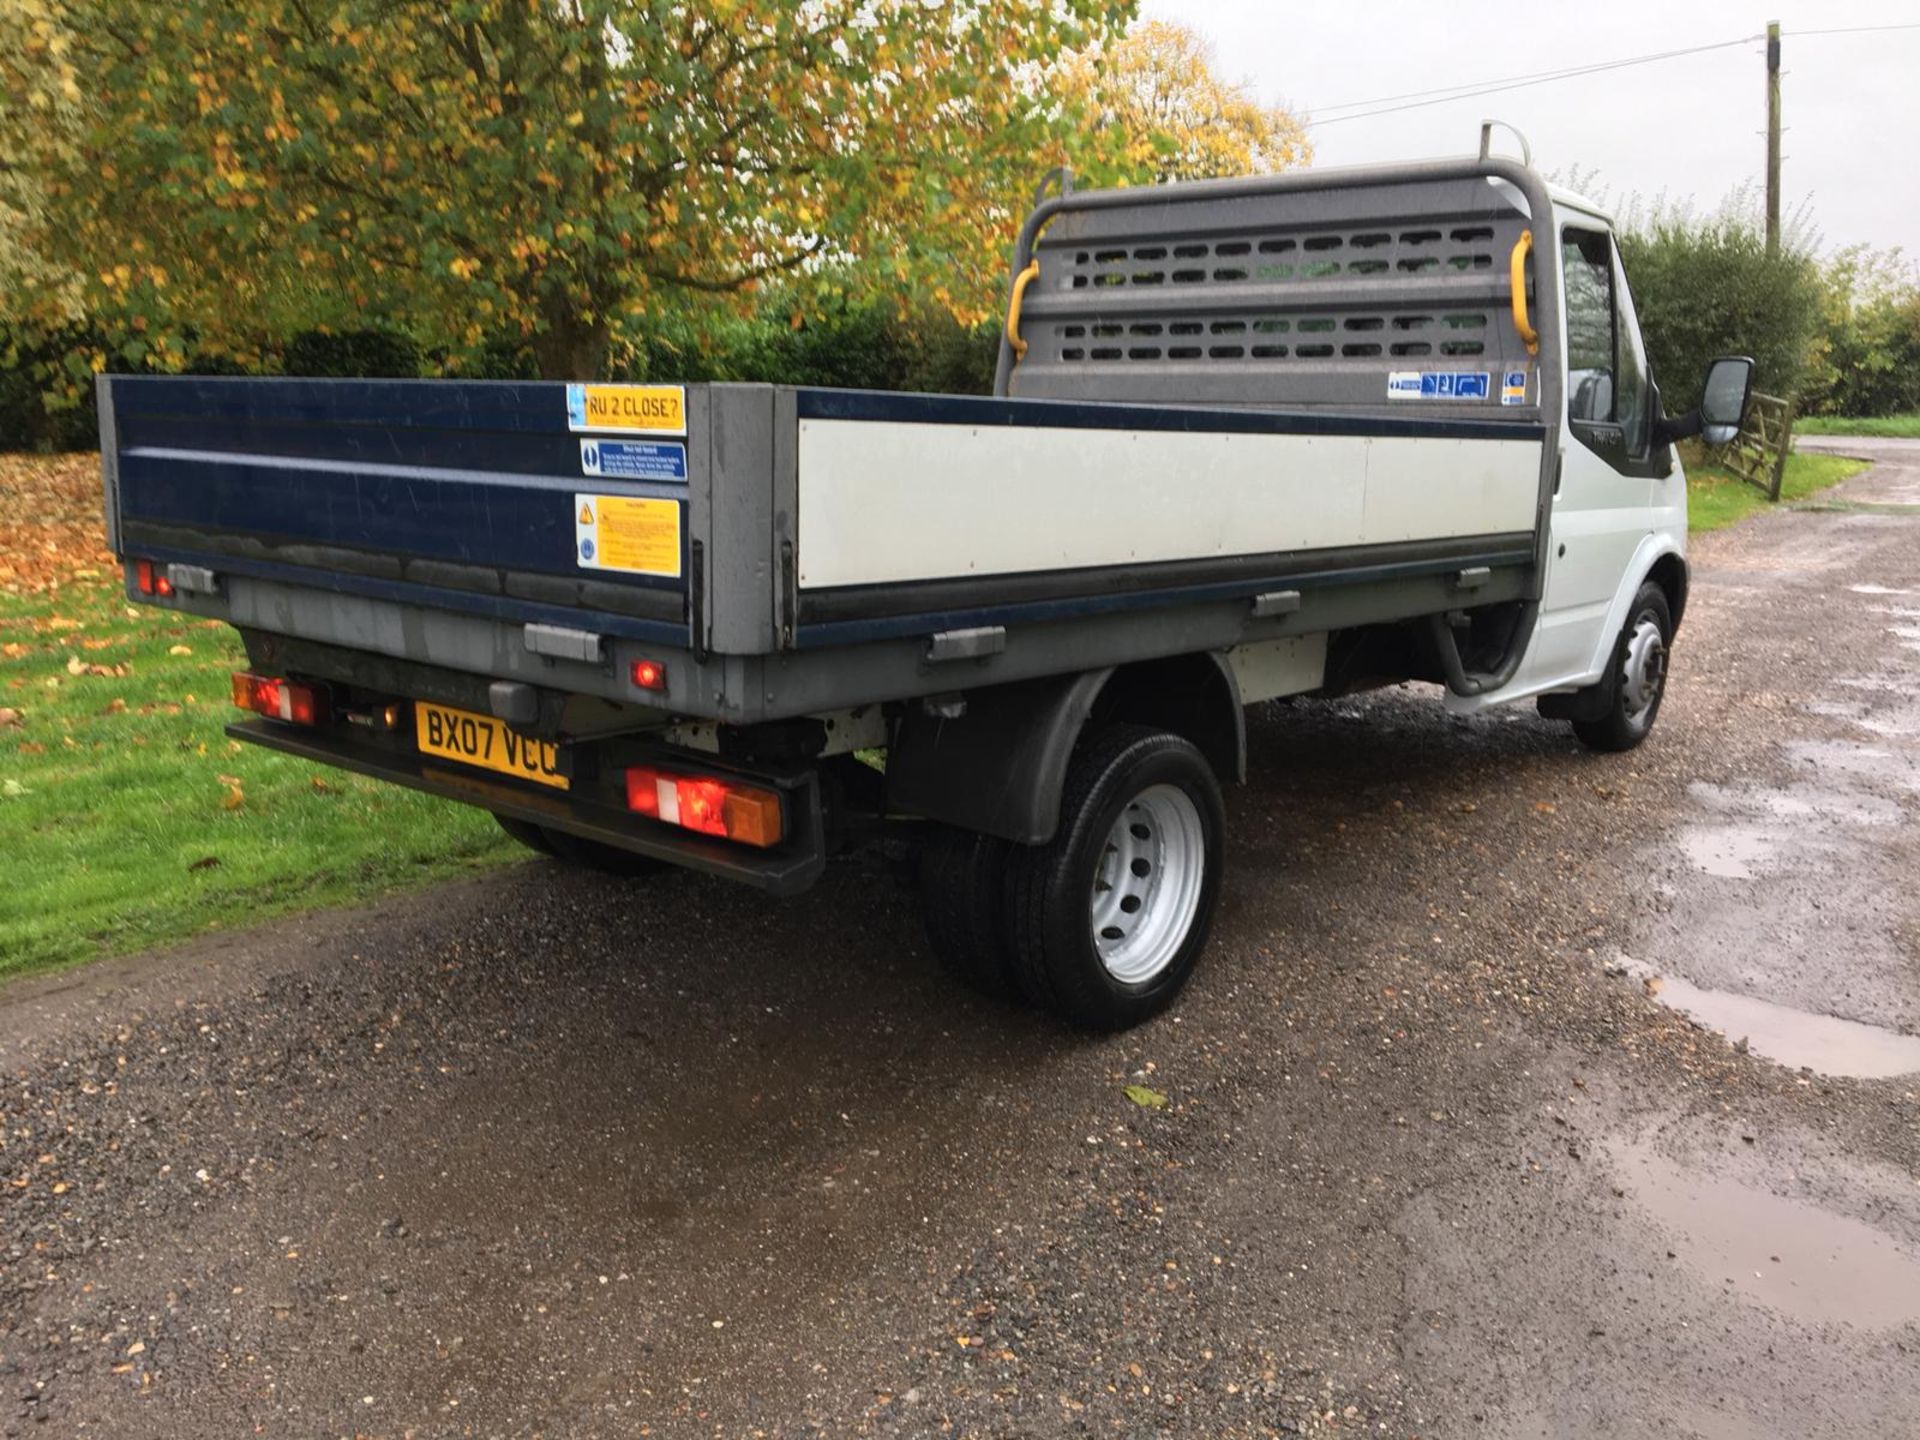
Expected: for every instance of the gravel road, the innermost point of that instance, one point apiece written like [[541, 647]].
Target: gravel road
[[1449, 1146]]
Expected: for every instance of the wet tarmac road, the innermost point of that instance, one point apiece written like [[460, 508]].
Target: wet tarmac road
[[547, 1154]]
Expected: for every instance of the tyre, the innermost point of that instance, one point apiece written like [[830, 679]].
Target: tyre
[[1636, 679], [963, 881], [1109, 917], [610, 859], [527, 833]]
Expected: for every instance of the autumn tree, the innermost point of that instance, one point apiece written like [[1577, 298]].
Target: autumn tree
[[551, 171], [41, 108], [1157, 91]]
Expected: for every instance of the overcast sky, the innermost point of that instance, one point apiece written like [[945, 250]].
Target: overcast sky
[[1693, 126]]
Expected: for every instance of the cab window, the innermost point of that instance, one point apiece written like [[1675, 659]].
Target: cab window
[[1606, 375]]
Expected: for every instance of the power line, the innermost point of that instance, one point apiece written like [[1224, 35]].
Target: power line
[[1418, 99], [1852, 30], [1516, 79]]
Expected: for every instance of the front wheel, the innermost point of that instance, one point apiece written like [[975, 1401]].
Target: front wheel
[[1110, 916], [1636, 680]]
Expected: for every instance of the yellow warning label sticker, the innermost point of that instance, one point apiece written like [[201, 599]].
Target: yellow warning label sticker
[[625, 532], [631, 409]]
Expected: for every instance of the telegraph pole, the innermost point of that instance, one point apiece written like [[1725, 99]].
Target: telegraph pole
[[1773, 137]]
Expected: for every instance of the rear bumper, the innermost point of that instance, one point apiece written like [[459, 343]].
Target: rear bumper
[[786, 869]]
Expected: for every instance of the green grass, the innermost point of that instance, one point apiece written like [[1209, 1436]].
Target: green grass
[[127, 817], [1717, 498], [1892, 427]]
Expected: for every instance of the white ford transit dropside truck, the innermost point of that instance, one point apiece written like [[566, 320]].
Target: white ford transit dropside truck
[[1289, 435]]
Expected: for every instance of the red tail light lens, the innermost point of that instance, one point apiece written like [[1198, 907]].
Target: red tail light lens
[[151, 579], [280, 699], [649, 675], [707, 805]]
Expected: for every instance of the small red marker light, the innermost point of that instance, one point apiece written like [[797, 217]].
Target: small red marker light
[[649, 675]]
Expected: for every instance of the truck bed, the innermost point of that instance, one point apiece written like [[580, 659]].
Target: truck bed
[[828, 548]]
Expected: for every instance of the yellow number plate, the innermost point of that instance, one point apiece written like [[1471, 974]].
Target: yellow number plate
[[484, 741]]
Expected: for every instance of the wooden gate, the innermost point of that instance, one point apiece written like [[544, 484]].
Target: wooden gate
[[1758, 454]]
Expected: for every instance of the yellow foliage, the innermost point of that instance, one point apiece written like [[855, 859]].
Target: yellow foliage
[[1155, 92]]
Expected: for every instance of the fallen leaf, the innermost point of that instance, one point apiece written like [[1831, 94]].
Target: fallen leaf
[[228, 779], [115, 706], [1146, 1097], [32, 747], [75, 665], [179, 650], [9, 717], [1545, 807], [205, 862], [236, 797], [13, 789]]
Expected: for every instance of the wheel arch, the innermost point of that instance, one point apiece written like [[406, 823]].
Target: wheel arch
[[999, 767], [1669, 572]]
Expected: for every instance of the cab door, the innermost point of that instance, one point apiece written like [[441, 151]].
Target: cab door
[[1603, 501]]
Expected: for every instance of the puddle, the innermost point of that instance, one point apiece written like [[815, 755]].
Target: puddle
[[1791, 1256], [1824, 1044], [1846, 757], [1729, 851], [1801, 802]]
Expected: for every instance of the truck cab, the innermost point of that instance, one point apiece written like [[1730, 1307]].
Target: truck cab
[[1619, 502]]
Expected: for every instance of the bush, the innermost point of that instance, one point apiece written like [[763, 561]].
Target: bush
[[381, 354], [30, 362], [1868, 361], [858, 342], [1710, 287], [863, 343]]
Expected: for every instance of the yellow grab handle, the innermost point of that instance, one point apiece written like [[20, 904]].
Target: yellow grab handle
[[1517, 272], [1020, 282]]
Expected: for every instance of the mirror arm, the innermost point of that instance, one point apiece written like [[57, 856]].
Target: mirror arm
[[1670, 428]]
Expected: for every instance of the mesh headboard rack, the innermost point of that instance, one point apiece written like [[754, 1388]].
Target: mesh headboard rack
[[1291, 292]]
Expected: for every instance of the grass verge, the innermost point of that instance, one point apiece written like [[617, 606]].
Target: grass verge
[[127, 817], [1887, 427], [1717, 498]]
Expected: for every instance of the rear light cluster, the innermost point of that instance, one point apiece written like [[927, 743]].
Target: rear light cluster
[[151, 579], [280, 699], [706, 804]]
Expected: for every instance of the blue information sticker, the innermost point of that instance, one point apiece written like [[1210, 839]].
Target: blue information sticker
[[1438, 385], [634, 459]]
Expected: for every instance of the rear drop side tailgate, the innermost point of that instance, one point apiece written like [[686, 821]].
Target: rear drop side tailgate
[[523, 502]]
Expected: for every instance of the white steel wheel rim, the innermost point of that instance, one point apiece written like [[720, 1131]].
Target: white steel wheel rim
[[1146, 884], [1645, 670]]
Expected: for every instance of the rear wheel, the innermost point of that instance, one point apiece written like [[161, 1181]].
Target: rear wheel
[[528, 834], [592, 854], [1636, 679], [1110, 916], [963, 881]]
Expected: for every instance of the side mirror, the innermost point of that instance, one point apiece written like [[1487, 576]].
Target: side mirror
[[1724, 398]]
